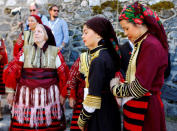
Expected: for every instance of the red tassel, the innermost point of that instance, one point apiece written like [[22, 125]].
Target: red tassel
[[119, 75]]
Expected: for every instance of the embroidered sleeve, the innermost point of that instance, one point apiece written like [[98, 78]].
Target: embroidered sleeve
[[18, 45], [62, 72], [74, 77], [134, 89], [83, 117], [12, 71], [70, 87]]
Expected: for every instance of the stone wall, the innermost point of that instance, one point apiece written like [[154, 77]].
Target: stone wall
[[76, 12]]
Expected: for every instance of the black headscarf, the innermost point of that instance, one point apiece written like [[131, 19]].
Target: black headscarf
[[104, 28]]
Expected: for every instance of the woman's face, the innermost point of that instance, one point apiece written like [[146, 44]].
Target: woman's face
[[32, 22], [131, 30], [39, 35], [90, 38]]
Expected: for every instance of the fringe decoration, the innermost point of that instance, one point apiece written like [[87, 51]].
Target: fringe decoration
[[42, 102]]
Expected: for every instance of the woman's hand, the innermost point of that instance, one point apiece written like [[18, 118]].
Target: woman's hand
[[62, 100], [81, 128], [114, 81], [72, 102], [10, 98]]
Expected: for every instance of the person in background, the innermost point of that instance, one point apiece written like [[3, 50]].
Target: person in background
[[26, 37], [34, 10], [125, 51], [74, 88], [58, 26], [100, 111], [34, 81], [145, 73], [3, 62]]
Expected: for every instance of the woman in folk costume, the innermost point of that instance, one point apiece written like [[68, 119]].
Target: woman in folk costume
[[35, 80], [100, 111], [3, 62], [26, 37], [74, 88], [145, 74]]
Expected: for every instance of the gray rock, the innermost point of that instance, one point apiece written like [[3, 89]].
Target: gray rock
[[170, 23], [77, 22], [82, 49], [169, 93], [108, 9], [5, 27], [77, 37], [175, 80], [11, 3], [172, 110], [76, 44], [108, 15], [165, 14], [172, 35], [74, 55], [168, 30], [0, 11], [71, 32], [84, 14]]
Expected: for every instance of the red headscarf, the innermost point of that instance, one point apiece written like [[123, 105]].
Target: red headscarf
[[139, 14], [37, 18]]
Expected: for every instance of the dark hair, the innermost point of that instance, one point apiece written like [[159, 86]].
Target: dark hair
[[50, 8], [104, 28], [114, 55]]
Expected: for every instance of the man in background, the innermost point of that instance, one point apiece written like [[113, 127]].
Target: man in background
[[58, 26], [34, 10]]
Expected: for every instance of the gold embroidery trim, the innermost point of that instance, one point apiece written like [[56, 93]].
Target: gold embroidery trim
[[92, 101], [80, 122]]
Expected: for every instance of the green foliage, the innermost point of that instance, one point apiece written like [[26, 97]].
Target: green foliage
[[97, 9], [113, 4], [121, 34], [171, 119], [75, 36], [162, 5]]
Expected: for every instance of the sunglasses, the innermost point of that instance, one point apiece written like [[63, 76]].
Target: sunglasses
[[33, 10], [56, 10]]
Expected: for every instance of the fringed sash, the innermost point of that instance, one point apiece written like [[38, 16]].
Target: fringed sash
[[37, 97]]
